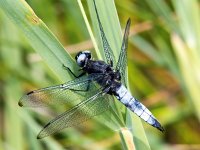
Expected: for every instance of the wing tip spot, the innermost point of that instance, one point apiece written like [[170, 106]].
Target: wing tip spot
[[38, 137], [20, 104], [30, 92], [41, 135], [129, 20]]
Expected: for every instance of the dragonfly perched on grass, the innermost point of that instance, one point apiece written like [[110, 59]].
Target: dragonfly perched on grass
[[95, 87]]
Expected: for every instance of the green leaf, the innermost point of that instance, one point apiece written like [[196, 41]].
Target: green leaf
[[112, 29], [39, 36]]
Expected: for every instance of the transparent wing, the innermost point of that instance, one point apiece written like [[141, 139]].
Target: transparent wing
[[122, 61], [61, 94], [107, 50], [83, 111]]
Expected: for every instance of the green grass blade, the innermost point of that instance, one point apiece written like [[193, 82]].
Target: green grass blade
[[146, 48], [38, 35], [112, 29], [187, 49], [12, 123], [160, 8]]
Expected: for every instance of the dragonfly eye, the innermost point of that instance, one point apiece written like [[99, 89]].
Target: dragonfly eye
[[81, 60], [81, 57], [88, 54]]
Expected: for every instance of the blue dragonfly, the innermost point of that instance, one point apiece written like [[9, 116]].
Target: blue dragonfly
[[99, 81]]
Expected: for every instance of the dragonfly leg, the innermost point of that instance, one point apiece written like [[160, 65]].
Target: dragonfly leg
[[111, 63], [67, 68]]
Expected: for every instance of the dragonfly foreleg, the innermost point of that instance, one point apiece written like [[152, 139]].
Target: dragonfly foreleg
[[67, 68]]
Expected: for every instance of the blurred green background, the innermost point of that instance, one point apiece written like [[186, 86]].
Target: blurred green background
[[163, 71]]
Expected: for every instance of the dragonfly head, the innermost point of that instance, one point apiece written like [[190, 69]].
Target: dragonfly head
[[82, 57]]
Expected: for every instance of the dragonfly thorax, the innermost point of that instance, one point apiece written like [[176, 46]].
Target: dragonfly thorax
[[82, 58]]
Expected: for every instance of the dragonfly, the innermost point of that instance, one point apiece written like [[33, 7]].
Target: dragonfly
[[95, 86]]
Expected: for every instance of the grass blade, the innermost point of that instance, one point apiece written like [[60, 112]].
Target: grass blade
[[187, 48], [38, 35], [112, 29]]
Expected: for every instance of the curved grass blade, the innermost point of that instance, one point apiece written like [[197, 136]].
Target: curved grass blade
[[39, 36]]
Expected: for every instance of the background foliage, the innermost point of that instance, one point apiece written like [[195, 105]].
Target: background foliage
[[163, 61]]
